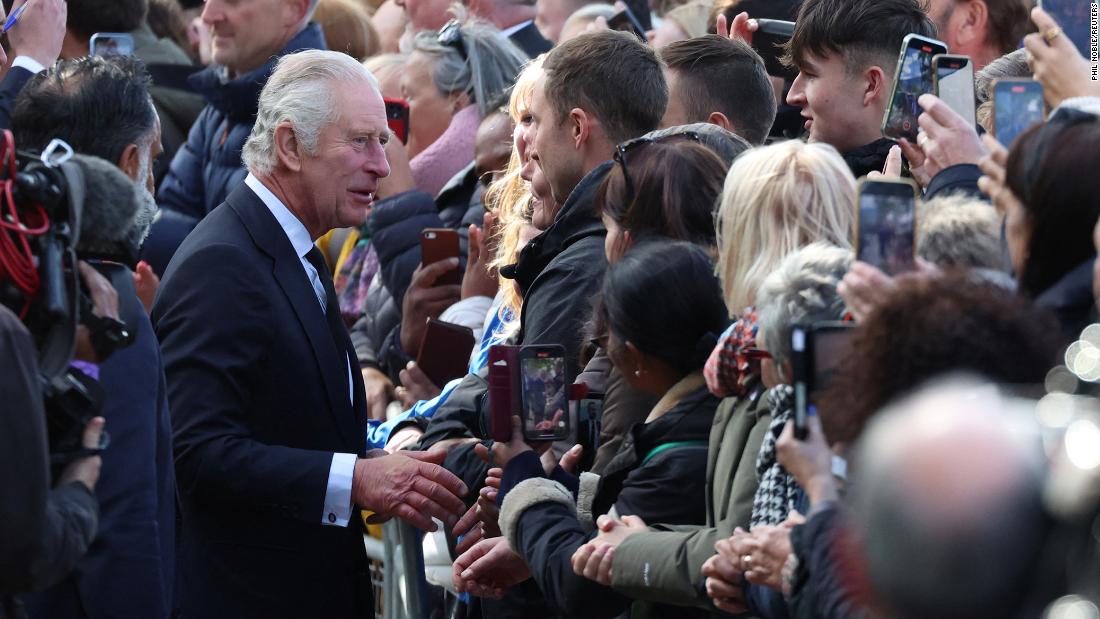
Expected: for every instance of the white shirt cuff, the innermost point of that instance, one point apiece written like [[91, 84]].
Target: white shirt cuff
[[338, 496], [28, 63]]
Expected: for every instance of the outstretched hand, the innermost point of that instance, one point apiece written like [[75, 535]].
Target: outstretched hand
[[411, 486], [489, 568]]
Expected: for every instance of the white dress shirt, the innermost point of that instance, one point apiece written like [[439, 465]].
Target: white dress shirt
[[337, 510], [28, 63]]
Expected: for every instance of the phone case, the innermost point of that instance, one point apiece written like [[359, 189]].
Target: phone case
[[444, 353], [438, 244], [397, 117], [503, 390]]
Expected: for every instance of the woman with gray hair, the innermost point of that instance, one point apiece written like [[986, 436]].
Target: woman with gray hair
[[451, 81], [801, 291]]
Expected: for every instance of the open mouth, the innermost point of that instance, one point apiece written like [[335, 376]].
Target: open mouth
[[366, 196]]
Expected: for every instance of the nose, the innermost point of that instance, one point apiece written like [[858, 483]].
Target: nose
[[212, 11], [377, 164], [797, 95]]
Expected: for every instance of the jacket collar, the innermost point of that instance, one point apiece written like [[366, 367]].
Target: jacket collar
[[576, 220], [239, 98], [869, 157], [686, 385], [1071, 300]]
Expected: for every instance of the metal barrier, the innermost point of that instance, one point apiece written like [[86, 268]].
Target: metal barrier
[[397, 572]]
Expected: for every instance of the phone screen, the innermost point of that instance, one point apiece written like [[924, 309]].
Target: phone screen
[[913, 79], [1074, 16], [1017, 105], [545, 406], [111, 44], [887, 223], [955, 85]]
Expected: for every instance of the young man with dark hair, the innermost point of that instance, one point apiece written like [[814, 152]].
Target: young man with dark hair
[[720, 81], [846, 52]]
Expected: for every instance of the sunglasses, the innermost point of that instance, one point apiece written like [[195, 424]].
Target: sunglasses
[[450, 35], [623, 152]]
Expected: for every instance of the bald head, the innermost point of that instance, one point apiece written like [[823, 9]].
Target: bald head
[[947, 498]]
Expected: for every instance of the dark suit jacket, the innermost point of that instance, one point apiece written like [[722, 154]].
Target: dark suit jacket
[[257, 387], [10, 88], [530, 41]]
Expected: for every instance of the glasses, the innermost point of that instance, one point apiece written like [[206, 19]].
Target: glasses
[[450, 35], [633, 146]]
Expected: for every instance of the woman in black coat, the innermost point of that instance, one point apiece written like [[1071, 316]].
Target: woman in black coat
[[664, 306]]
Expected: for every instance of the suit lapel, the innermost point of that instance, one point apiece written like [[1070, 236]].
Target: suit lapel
[[270, 238]]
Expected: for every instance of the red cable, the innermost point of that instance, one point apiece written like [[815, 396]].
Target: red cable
[[16, 258]]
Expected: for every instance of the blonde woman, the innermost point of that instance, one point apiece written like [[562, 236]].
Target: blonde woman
[[776, 200]]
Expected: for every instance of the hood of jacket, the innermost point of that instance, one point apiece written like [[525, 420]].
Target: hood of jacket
[[576, 220], [239, 98]]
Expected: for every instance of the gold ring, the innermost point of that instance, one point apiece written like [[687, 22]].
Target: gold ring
[[1052, 34]]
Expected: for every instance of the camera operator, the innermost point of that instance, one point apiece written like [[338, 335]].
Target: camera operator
[[101, 106], [43, 531]]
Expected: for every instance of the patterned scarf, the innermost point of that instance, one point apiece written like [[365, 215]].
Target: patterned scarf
[[778, 491], [353, 280], [727, 369]]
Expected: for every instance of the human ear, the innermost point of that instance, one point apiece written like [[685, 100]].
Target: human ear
[[287, 147], [130, 162]]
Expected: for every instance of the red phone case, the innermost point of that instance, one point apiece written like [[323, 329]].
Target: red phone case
[[503, 390]]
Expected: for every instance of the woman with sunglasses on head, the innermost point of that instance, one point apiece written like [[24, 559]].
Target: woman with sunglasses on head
[[664, 185], [659, 470]]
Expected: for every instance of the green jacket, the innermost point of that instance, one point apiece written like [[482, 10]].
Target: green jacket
[[663, 564]]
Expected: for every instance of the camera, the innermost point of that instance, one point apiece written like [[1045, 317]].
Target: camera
[[45, 221]]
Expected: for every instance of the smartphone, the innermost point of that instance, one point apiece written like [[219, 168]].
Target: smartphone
[[440, 244], [543, 393], [954, 79], [912, 78], [1017, 105], [111, 44], [626, 21], [768, 41], [1075, 17], [886, 224], [503, 381], [444, 353], [817, 351], [397, 117]]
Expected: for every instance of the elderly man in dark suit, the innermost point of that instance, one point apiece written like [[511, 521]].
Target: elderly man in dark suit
[[268, 414]]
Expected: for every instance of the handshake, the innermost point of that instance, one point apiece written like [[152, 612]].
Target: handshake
[[410, 485]]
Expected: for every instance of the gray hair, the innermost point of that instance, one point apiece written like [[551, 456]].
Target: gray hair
[[1011, 65], [726, 144], [960, 231], [300, 92], [950, 476], [490, 68], [802, 290]]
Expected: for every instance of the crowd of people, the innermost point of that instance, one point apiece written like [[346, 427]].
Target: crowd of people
[[576, 289]]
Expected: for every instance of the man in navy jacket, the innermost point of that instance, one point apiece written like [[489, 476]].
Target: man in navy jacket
[[249, 36]]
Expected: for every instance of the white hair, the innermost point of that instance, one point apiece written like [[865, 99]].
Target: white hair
[[802, 290], [300, 92]]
